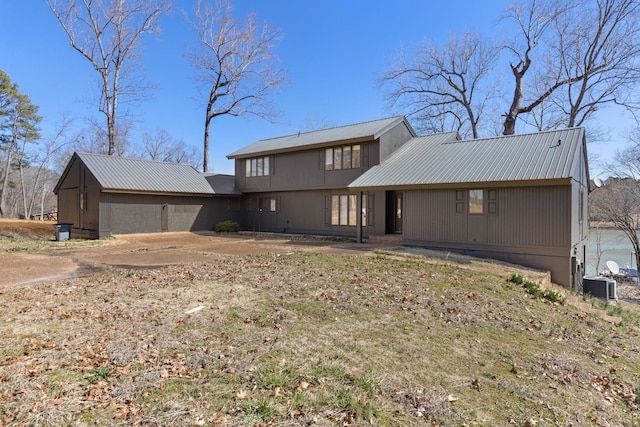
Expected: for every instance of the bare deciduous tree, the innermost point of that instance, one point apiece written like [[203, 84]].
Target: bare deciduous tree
[[567, 59], [41, 184], [586, 58], [236, 61], [445, 87], [107, 33], [161, 146], [533, 21], [618, 201], [601, 49]]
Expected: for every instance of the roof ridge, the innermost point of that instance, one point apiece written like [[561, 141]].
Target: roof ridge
[[333, 127], [515, 135], [109, 156]]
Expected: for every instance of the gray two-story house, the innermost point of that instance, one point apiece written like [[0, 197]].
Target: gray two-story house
[[299, 183]]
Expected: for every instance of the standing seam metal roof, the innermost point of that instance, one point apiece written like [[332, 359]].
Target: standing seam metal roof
[[126, 174], [440, 159], [371, 129]]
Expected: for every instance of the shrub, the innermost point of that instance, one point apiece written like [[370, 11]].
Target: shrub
[[227, 226], [516, 278], [538, 291]]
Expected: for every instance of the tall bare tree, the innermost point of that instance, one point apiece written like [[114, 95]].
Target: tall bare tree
[[600, 48], [578, 57], [533, 22], [567, 59], [107, 33], [235, 59], [445, 87], [41, 185]]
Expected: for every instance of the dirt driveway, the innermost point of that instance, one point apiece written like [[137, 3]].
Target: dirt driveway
[[150, 250]]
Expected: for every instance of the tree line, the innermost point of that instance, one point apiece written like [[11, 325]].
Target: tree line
[[558, 65]]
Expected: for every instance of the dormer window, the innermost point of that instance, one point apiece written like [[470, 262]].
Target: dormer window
[[343, 157]]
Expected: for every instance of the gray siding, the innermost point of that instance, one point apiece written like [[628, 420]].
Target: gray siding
[[531, 226], [135, 214], [304, 170], [307, 212], [392, 140], [132, 213], [526, 216]]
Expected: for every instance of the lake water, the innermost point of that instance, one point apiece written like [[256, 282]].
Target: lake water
[[614, 246]]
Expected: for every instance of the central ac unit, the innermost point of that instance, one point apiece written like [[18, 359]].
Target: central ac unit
[[599, 287]]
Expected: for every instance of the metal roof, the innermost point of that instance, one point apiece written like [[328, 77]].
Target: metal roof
[[440, 159], [360, 131], [135, 175], [223, 184]]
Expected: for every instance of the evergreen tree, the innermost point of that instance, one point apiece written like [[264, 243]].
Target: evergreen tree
[[19, 121]]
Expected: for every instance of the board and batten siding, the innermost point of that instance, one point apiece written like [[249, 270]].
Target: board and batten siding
[[532, 216], [430, 215], [525, 216], [531, 226]]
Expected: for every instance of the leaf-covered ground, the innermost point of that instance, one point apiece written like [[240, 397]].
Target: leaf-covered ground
[[304, 338]]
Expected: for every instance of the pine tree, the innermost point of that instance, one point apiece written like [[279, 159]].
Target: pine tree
[[19, 121]]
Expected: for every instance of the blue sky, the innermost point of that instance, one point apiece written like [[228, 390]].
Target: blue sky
[[333, 51]]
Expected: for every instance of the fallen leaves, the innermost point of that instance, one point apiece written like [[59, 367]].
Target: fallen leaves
[[127, 347]]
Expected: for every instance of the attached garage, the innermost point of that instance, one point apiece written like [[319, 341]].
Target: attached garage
[[103, 195]]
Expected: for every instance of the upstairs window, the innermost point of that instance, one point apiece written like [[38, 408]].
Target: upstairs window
[[343, 157], [258, 166]]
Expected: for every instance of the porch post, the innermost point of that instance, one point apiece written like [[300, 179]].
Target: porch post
[[359, 218]]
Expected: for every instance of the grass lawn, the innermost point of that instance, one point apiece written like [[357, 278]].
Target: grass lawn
[[303, 338]]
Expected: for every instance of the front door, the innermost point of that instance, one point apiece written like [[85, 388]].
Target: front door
[[397, 210]]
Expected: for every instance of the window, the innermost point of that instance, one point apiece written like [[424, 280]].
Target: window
[[476, 201], [344, 209], [258, 166], [267, 204], [355, 156], [344, 157]]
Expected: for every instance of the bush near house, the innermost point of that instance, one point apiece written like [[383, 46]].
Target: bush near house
[[227, 227]]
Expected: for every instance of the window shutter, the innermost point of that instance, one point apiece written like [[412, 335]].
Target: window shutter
[[365, 156], [327, 210], [371, 210]]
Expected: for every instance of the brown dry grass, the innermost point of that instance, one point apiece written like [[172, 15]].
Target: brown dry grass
[[304, 338], [27, 228]]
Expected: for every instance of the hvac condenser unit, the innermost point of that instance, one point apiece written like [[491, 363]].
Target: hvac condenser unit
[[599, 287]]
